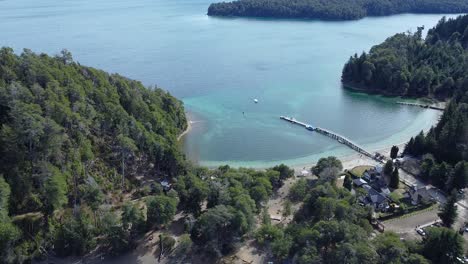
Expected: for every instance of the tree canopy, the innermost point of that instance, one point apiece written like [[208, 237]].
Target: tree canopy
[[333, 9], [70, 136], [408, 65]]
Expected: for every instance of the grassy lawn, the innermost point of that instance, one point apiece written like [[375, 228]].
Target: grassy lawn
[[359, 170]]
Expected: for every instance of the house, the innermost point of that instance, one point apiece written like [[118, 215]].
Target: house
[[359, 182], [385, 191], [366, 176], [419, 194], [378, 200]]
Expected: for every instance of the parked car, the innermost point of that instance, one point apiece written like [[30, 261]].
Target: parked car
[[421, 231]]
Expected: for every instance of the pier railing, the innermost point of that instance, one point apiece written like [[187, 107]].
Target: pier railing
[[422, 106], [331, 134]]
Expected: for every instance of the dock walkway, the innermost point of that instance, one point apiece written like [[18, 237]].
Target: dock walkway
[[331, 134], [422, 106]]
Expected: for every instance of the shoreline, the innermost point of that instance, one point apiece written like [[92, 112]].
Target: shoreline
[[187, 130], [349, 159], [355, 159]]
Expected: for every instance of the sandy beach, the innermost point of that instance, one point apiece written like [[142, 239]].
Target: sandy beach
[[355, 159], [187, 130]]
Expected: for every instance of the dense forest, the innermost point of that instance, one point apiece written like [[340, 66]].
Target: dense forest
[[71, 136], [444, 149], [331, 227], [408, 65], [333, 9]]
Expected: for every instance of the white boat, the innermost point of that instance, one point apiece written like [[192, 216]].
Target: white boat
[[256, 100]]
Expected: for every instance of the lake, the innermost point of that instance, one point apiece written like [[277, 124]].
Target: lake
[[218, 66]]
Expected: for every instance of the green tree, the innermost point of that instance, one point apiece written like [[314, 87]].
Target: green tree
[[348, 182], [160, 209], [284, 173], [324, 163], [394, 152], [127, 148], [116, 237], [217, 229], [132, 218], [287, 208], [93, 196], [192, 192], [390, 248], [75, 235], [298, 190], [388, 168], [5, 192], [448, 212], [268, 233], [184, 247], [9, 235], [395, 179], [416, 259], [55, 190], [280, 248], [460, 175], [442, 245]]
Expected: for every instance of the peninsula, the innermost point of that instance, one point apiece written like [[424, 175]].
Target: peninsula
[[333, 9]]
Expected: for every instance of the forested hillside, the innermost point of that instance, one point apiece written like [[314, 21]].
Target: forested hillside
[[408, 65], [70, 133], [333, 9], [444, 149], [436, 67]]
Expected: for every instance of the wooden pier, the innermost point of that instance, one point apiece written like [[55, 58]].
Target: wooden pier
[[422, 106], [343, 140]]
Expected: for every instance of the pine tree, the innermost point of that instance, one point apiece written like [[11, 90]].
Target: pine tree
[[394, 152], [395, 179], [448, 212], [348, 183], [388, 168], [460, 175]]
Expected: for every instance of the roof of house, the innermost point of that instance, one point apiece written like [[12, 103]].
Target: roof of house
[[385, 191], [378, 169], [416, 192], [359, 182], [376, 197]]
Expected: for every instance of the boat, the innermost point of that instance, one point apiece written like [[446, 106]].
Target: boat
[[256, 100], [340, 140]]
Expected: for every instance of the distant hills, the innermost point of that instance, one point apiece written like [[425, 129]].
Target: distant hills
[[333, 9]]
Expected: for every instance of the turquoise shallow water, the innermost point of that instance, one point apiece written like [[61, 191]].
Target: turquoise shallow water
[[218, 66]]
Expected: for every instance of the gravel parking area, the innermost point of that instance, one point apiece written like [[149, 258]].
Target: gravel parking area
[[405, 226]]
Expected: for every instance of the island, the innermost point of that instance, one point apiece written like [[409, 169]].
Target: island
[[333, 9]]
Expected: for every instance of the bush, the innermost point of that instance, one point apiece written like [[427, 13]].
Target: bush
[[298, 191]]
